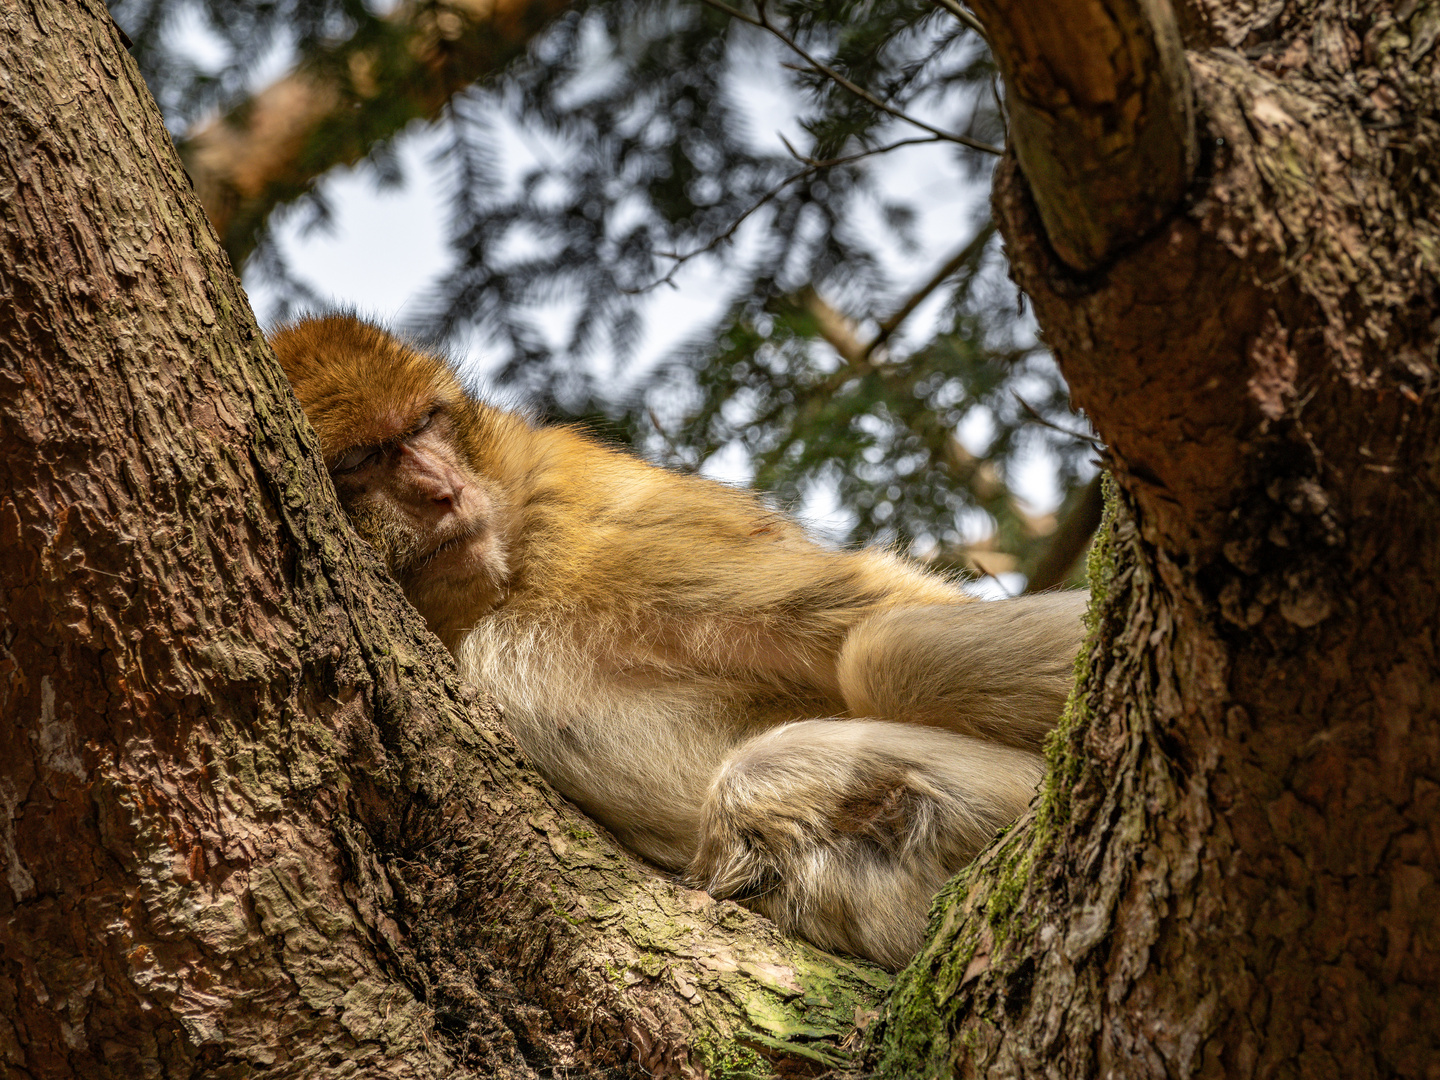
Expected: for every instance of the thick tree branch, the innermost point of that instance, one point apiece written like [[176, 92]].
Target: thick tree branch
[[250, 818], [838, 330], [1101, 116], [1068, 542], [270, 148]]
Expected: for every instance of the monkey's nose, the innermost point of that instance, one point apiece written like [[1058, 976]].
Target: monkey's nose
[[446, 494], [448, 498]]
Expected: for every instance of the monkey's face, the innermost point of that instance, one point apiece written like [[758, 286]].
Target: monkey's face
[[433, 519], [392, 423]]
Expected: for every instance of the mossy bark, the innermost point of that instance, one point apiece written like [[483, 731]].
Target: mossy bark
[[1236, 872], [252, 821]]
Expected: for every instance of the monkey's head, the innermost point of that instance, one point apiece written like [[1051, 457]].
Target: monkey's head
[[406, 447]]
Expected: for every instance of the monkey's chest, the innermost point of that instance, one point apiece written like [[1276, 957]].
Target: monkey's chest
[[637, 752]]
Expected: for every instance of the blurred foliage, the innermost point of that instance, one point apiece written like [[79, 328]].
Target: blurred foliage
[[641, 155], [240, 36]]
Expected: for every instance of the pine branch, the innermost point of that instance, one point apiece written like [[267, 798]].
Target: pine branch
[[762, 20], [811, 168]]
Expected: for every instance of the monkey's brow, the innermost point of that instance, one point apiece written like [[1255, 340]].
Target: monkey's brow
[[387, 427], [412, 428], [387, 443]]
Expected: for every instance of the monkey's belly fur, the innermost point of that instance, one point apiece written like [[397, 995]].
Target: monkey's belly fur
[[840, 830], [638, 762]]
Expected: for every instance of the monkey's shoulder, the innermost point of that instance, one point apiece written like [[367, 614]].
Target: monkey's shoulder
[[616, 497], [601, 527]]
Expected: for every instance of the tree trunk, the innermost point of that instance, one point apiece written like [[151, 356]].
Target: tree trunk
[[252, 821], [1234, 870]]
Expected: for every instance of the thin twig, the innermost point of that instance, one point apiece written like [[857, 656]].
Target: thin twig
[[827, 163], [992, 575], [916, 140], [964, 16], [811, 168], [793, 152], [671, 449], [889, 325], [761, 20], [999, 99], [719, 238], [1034, 413]]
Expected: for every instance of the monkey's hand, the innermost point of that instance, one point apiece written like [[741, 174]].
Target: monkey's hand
[[842, 831]]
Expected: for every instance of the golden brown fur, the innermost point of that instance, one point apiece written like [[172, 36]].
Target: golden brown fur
[[665, 649]]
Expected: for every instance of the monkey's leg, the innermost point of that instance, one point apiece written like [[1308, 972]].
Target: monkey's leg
[[842, 831], [998, 670]]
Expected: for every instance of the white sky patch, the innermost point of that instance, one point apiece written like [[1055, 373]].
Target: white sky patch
[[188, 34], [384, 247]]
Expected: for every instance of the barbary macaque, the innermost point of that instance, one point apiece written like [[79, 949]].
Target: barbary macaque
[[826, 736]]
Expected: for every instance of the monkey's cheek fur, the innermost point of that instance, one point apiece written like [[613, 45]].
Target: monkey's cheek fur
[[463, 558], [458, 582]]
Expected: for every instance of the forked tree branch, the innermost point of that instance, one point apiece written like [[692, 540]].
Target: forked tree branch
[[270, 147], [1101, 116], [837, 330]]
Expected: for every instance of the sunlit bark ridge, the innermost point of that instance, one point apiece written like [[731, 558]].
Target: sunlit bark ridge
[[1100, 116]]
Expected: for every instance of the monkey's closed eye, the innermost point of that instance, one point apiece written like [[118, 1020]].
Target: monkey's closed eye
[[353, 459]]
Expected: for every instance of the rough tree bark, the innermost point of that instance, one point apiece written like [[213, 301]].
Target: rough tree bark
[[251, 820], [1235, 868], [267, 149]]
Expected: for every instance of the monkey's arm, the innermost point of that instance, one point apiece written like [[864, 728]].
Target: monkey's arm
[[999, 670], [687, 574]]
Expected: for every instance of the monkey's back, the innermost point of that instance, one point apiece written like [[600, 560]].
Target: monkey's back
[[685, 572]]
